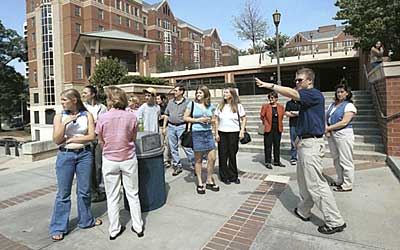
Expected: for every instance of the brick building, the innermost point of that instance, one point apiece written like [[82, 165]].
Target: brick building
[[66, 38]]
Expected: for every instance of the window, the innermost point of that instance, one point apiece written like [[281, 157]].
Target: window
[[33, 5], [36, 117], [127, 22], [34, 53], [78, 27], [100, 28], [35, 97], [100, 14], [100, 1], [118, 19], [127, 8], [118, 4], [166, 24], [136, 11], [33, 22], [33, 37], [144, 33], [34, 75], [37, 134], [79, 72], [137, 27], [174, 28], [159, 34], [167, 49], [49, 116], [144, 20], [78, 11], [158, 22]]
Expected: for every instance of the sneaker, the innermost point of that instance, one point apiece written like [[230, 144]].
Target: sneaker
[[293, 162], [268, 165], [167, 164], [177, 171], [325, 229], [279, 164]]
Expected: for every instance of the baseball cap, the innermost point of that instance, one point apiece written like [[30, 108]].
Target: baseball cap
[[151, 91]]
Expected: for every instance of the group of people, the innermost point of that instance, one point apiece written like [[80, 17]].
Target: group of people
[[308, 106], [97, 144]]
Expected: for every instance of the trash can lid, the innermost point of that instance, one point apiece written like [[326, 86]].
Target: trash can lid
[[148, 144]]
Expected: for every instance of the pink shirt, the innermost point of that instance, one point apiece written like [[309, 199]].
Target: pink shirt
[[116, 127]]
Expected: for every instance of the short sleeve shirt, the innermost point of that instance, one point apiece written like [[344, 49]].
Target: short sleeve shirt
[[312, 113], [116, 127], [292, 106], [200, 112], [150, 115], [229, 121]]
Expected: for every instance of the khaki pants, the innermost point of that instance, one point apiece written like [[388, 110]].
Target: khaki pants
[[313, 187], [112, 172], [341, 148]]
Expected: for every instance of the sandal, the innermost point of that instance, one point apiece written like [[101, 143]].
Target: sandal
[[98, 222], [57, 237], [200, 189], [340, 189], [212, 186]]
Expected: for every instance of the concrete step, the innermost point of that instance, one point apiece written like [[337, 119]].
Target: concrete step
[[374, 139], [285, 142], [285, 151], [360, 112], [255, 116], [356, 124], [357, 130]]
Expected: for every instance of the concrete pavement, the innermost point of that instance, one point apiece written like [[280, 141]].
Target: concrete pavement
[[190, 221]]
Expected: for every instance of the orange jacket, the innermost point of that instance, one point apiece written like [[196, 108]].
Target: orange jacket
[[266, 116]]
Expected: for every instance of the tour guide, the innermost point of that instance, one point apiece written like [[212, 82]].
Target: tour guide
[[313, 186]]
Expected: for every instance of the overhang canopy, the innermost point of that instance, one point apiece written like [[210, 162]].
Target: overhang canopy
[[111, 40]]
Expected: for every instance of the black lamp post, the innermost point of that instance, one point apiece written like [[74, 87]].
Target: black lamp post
[[277, 19]]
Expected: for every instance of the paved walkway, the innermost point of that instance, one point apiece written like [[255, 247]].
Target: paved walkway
[[257, 214]]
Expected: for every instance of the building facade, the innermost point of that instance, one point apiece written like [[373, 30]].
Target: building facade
[[66, 38]]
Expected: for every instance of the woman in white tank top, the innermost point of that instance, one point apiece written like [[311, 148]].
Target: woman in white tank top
[[72, 131]]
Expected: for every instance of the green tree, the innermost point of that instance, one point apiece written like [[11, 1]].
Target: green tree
[[370, 21], [251, 25], [11, 89], [164, 63], [270, 46], [108, 72], [12, 46]]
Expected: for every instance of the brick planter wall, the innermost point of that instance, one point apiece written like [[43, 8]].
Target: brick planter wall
[[386, 79]]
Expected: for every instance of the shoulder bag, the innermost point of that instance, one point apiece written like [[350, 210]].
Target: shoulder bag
[[186, 137]]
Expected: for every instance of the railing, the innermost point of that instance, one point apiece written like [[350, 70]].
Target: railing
[[378, 99]]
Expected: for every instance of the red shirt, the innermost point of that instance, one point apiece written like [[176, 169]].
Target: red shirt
[[266, 116]]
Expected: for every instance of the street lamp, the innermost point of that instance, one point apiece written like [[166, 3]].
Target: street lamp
[[312, 47], [277, 18]]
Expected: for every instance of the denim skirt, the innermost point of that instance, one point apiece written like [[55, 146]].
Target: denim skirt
[[203, 140]]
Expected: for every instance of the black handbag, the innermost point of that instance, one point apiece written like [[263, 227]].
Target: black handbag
[[247, 138], [186, 137]]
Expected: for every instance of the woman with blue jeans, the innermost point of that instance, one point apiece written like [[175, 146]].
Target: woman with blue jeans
[[203, 139], [73, 129]]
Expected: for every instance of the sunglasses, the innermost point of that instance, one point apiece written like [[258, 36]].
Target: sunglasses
[[298, 80]]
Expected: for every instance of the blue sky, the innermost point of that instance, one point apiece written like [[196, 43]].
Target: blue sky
[[297, 15]]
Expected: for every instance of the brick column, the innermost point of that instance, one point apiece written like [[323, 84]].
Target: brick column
[[386, 78]]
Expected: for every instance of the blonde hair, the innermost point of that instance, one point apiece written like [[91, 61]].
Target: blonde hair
[[134, 99], [207, 95], [235, 100], [73, 93], [117, 97]]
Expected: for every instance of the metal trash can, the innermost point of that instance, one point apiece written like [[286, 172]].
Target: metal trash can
[[149, 152]]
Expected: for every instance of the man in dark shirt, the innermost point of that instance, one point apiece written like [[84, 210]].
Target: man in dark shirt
[[292, 111], [162, 101], [173, 116], [313, 187]]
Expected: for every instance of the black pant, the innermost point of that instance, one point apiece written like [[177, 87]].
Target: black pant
[[228, 147], [272, 137]]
